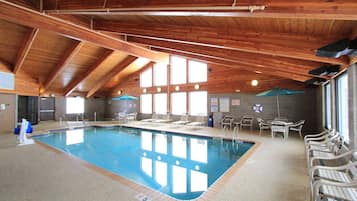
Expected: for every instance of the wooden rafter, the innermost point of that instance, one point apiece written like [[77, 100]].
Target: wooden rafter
[[338, 9], [268, 71], [284, 45], [117, 87], [25, 49], [27, 17], [5, 65], [68, 55], [74, 84], [277, 63], [120, 67]]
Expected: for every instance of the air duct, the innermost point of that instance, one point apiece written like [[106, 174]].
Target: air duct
[[326, 70], [315, 81], [338, 48]]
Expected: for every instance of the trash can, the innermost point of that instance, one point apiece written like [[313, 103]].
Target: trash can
[[210, 121]]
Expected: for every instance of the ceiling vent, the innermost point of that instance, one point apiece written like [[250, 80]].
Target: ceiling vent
[[339, 48], [327, 70], [315, 81]]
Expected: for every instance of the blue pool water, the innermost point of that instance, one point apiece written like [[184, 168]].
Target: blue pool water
[[180, 166]]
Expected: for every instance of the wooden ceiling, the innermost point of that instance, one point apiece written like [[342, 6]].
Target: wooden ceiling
[[91, 47]]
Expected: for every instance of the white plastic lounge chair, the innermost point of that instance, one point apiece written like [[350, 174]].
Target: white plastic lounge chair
[[313, 137], [199, 121], [325, 156], [263, 125], [344, 173], [183, 120], [330, 190], [153, 118], [297, 126], [164, 119], [132, 116], [247, 121]]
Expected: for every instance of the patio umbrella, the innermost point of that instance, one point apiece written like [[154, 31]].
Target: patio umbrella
[[125, 97], [279, 92]]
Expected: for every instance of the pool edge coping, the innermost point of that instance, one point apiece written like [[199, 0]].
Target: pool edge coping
[[152, 193]]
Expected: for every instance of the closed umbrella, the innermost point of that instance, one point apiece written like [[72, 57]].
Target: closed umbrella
[[125, 97], [278, 92]]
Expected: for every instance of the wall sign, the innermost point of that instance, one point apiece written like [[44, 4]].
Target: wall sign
[[224, 104], [214, 104], [235, 101]]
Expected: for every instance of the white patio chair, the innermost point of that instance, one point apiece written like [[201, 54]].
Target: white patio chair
[[325, 156], [330, 190], [344, 173], [263, 125], [312, 137], [227, 122], [297, 126], [247, 121]]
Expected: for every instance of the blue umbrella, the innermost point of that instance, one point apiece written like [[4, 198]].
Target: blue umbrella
[[125, 97], [278, 92]]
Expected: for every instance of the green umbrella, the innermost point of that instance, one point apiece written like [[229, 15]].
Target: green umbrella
[[278, 92]]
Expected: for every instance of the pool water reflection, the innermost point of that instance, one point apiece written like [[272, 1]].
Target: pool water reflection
[[180, 166]]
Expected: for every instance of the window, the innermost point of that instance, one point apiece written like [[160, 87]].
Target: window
[[178, 70], [160, 74], [328, 106], [178, 103], [160, 103], [74, 105], [197, 71], [198, 103], [342, 106], [146, 78], [146, 103]]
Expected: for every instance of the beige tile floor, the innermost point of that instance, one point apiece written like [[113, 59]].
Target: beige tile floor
[[275, 171]]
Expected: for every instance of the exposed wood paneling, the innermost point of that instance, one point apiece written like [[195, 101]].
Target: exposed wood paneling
[[120, 67], [132, 68], [74, 83], [11, 37], [105, 68], [25, 48], [46, 52], [285, 45], [78, 65], [27, 17], [278, 63], [24, 84], [273, 9], [267, 71], [221, 79], [68, 55]]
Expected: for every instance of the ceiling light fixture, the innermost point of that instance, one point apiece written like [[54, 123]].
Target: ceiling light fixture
[[254, 83]]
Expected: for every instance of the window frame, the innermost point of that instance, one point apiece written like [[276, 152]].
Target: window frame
[[171, 99], [190, 75], [338, 112], [73, 98], [141, 103], [154, 71], [327, 106], [154, 100], [171, 71], [190, 106], [151, 77]]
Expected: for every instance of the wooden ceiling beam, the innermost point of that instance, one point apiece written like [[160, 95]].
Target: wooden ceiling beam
[[6, 65], [318, 9], [205, 58], [282, 64], [76, 82], [120, 67], [27, 17], [117, 87], [277, 44], [25, 49], [66, 58]]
